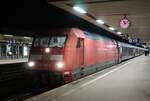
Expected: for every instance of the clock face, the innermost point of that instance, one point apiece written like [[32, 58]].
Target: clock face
[[124, 23]]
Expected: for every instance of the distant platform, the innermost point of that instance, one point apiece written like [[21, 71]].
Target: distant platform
[[10, 61]]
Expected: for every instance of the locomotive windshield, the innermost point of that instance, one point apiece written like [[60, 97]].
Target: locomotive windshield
[[54, 41]]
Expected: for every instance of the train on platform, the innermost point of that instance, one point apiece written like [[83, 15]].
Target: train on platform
[[65, 55]]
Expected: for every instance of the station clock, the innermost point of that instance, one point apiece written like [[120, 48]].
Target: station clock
[[125, 23]]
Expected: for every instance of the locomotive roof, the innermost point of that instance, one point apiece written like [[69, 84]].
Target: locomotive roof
[[95, 36], [78, 33], [53, 32], [83, 34]]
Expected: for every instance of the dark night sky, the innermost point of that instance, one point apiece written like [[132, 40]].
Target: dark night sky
[[35, 15], [23, 16]]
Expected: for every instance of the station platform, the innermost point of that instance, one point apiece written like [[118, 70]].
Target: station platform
[[127, 81], [10, 61]]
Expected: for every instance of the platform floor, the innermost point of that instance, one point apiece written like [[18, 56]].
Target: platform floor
[[128, 81], [10, 61]]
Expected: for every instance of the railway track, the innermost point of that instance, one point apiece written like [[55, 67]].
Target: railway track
[[15, 84]]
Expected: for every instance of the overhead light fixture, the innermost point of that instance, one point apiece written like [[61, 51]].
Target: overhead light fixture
[[119, 32], [80, 10], [100, 21], [27, 37], [8, 35], [112, 28]]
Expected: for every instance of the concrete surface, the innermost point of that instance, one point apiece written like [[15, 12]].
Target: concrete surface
[[10, 61], [128, 81]]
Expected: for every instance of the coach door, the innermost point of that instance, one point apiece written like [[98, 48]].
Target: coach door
[[119, 52], [82, 50]]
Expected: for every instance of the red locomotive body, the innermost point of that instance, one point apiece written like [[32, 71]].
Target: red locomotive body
[[67, 55]]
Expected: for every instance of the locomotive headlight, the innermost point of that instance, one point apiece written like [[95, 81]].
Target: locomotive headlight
[[31, 64], [10, 53], [47, 50], [60, 65]]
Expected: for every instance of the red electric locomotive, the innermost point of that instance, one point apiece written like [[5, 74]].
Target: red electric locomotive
[[70, 54]]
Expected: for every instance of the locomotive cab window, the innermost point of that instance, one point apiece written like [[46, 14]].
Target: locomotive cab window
[[54, 41], [57, 41], [41, 42]]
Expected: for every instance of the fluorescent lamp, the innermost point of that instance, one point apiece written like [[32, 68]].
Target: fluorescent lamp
[[100, 21], [8, 35], [112, 28], [119, 33], [27, 37], [80, 10]]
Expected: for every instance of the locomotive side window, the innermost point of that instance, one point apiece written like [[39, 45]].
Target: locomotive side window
[[79, 43]]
